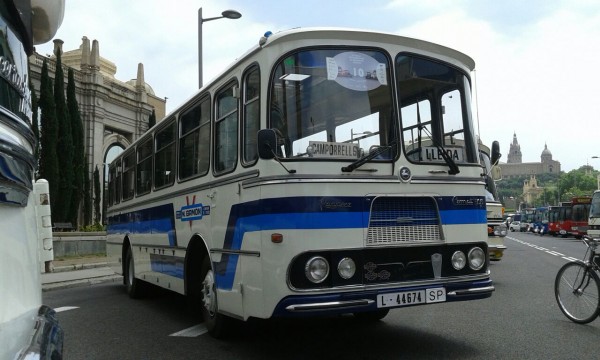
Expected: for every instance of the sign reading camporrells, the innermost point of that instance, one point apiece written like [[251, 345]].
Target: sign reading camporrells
[[321, 149]]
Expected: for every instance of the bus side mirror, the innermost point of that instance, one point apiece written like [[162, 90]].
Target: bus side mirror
[[495, 153], [267, 143]]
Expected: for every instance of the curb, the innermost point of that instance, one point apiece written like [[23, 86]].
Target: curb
[[78, 267], [82, 282]]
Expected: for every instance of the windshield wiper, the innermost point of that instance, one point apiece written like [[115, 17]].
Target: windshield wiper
[[451, 164], [370, 156]]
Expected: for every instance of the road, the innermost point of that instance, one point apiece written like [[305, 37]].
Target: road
[[520, 321]]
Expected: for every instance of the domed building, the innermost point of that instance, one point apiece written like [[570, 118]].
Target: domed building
[[515, 167]]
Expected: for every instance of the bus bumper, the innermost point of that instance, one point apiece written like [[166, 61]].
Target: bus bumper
[[363, 301]]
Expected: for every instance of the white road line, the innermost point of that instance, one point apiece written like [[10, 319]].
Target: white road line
[[569, 258], [193, 331], [555, 253], [65, 308]]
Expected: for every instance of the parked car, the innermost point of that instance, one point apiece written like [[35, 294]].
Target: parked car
[[515, 226]]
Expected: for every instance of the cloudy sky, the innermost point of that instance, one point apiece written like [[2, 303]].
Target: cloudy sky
[[537, 61]]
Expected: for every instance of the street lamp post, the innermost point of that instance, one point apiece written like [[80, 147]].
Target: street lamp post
[[598, 177], [228, 14]]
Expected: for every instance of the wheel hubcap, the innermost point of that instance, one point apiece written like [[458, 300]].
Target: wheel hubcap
[[208, 293]]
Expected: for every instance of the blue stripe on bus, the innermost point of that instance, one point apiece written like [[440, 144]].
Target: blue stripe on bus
[[154, 220], [283, 213]]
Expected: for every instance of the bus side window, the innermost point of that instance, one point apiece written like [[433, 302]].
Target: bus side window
[[144, 167], [226, 130], [194, 141], [251, 121], [128, 175], [164, 159]]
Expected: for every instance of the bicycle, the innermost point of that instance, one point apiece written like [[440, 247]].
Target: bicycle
[[577, 285]]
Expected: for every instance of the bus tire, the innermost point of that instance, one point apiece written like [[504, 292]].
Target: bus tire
[[217, 324], [135, 287], [371, 316]]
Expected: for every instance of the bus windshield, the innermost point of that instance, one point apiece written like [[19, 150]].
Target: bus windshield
[[332, 103], [434, 100]]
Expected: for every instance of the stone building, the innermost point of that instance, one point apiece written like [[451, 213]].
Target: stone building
[[114, 113], [515, 167]]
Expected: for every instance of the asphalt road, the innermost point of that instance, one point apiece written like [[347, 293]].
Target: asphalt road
[[520, 321]]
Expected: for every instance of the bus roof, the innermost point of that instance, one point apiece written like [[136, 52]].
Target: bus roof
[[331, 33], [369, 36]]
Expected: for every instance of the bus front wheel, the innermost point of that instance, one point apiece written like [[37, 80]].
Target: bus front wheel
[[135, 287], [215, 323]]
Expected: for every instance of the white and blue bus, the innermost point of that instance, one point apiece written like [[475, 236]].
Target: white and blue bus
[[326, 171], [28, 329]]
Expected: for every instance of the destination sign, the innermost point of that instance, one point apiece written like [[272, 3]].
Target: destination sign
[[435, 154], [324, 149]]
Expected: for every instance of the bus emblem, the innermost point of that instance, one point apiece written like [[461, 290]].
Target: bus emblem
[[192, 212]]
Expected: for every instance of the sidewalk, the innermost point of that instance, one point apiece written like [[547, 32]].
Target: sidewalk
[[78, 271]]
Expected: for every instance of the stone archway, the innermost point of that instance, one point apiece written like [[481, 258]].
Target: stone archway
[[113, 145]]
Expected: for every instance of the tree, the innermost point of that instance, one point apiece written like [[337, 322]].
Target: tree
[[97, 214], [64, 146], [49, 135], [87, 199], [78, 150]]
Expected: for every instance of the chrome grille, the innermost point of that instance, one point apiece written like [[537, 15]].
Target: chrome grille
[[403, 219]]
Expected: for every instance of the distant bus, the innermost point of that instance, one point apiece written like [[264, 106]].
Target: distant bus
[[556, 215], [527, 219], [575, 221], [28, 329], [497, 229], [540, 220], [594, 216], [283, 189]]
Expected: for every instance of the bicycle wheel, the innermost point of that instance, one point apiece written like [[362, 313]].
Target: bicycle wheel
[[577, 290]]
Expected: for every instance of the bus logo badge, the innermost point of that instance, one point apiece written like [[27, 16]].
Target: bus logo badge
[[192, 212], [404, 174]]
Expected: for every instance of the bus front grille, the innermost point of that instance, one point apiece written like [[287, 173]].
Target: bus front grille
[[403, 219]]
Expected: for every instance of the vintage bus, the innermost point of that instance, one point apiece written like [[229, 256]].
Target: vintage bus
[[28, 329], [497, 229], [293, 184], [594, 216]]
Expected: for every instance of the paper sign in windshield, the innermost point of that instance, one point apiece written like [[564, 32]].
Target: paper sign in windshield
[[356, 71], [334, 150]]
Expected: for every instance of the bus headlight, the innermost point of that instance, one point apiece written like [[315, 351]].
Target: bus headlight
[[316, 269], [346, 268], [459, 260], [500, 230], [476, 258]]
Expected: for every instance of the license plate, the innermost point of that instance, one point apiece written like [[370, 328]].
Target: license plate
[[563, 232], [405, 298]]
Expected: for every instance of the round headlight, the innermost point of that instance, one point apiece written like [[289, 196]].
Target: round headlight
[[500, 230], [476, 258], [346, 268], [316, 269], [459, 260]]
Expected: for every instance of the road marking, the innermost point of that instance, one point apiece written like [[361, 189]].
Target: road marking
[[65, 308], [193, 331], [569, 258], [555, 253]]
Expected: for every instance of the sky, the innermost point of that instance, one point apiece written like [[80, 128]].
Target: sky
[[537, 71]]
